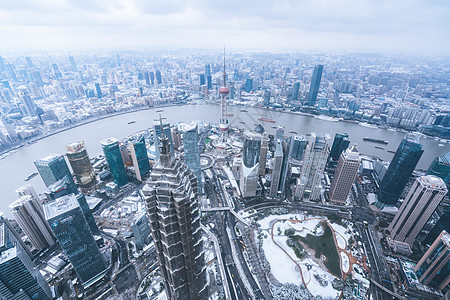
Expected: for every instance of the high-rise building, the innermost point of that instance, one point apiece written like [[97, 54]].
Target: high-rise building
[[201, 79], [433, 268], [141, 230], [440, 167], [400, 169], [152, 78], [309, 183], [19, 278], [98, 90], [344, 175], [315, 84], [28, 103], [442, 224], [67, 221], [60, 188], [207, 69], [263, 154], [176, 138], [113, 156], [172, 207], [81, 166], [192, 151], [422, 200], [209, 82], [147, 78], [340, 143], [279, 134], [73, 64], [29, 214], [295, 90], [53, 168], [276, 172], [297, 147], [250, 164], [158, 76], [157, 135], [139, 156]]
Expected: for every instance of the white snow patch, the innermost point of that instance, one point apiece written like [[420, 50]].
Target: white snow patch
[[313, 285], [345, 263], [340, 241], [344, 232], [281, 266], [304, 227]]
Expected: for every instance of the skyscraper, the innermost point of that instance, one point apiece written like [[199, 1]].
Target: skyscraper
[[60, 188], [19, 278], [433, 269], [315, 84], [340, 143], [250, 164], [158, 76], [67, 221], [400, 169], [442, 224], [309, 183], [263, 154], [30, 107], [344, 175], [192, 151], [422, 200], [98, 90], [297, 147], [172, 207], [29, 215], [113, 156], [81, 166], [295, 90], [276, 172], [52, 168], [440, 167], [157, 135], [141, 230], [139, 156]]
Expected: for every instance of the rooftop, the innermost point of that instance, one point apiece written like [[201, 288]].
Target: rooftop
[[19, 202], [75, 146], [60, 206], [433, 181], [444, 159], [49, 158], [109, 141], [8, 254]]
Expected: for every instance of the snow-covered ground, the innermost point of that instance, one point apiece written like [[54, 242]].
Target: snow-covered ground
[[343, 231], [345, 263], [307, 226], [325, 289], [265, 223]]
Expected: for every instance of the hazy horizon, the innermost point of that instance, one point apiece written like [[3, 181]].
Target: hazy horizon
[[389, 27]]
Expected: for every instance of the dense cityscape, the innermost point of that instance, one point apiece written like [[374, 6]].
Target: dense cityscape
[[240, 204]]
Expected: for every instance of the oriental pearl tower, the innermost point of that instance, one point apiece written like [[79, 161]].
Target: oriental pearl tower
[[223, 127]]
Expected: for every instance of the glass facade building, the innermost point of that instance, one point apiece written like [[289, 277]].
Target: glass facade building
[[440, 167], [251, 149], [67, 220], [191, 150], [340, 143], [113, 156], [81, 165], [297, 147], [139, 156], [315, 84], [400, 170], [141, 230], [157, 136], [53, 168]]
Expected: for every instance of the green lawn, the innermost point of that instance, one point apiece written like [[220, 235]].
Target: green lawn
[[324, 245]]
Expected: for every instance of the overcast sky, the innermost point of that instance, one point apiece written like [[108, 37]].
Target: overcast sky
[[391, 26]]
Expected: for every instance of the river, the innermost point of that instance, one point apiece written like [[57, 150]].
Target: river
[[17, 166]]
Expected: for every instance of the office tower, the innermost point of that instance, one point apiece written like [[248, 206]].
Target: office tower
[[433, 269], [344, 175], [29, 62], [73, 64], [52, 168], [440, 167], [172, 208], [309, 183], [209, 82], [19, 278], [279, 135], [223, 126], [141, 230], [152, 78], [157, 135], [158, 76], [400, 169], [315, 84], [266, 97], [276, 172], [248, 85], [250, 164], [207, 69], [442, 224], [98, 90], [28, 103], [81, 166], [113, 156], [56, 71], [67, 221], [139, 156], [176, 138], [340, 143], [60, 188], [147, 78], [295, 90], [263, 154], [192, 151], [422, 200], [29, 214], [201, 79], [297, 147], [28, 190]]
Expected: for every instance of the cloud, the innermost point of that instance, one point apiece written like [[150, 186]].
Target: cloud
[[355, 25]]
